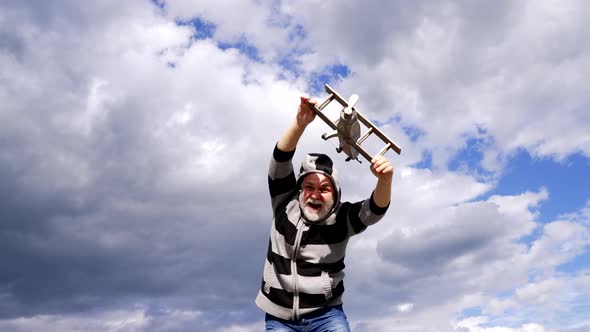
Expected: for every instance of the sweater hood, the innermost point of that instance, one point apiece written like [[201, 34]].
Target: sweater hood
[[321, 163]]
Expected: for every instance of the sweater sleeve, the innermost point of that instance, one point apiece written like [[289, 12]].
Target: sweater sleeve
[[362, 214], [281, 178]]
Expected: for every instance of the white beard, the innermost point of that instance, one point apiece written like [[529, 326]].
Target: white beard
[[311, 214]]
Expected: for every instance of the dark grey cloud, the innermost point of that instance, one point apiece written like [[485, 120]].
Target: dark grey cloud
[[473, 226], [427, 267], [128, 184], [89, 221]]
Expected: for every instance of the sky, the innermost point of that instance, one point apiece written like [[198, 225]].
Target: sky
[[135, 138]]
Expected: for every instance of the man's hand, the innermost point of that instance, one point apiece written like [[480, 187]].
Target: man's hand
[[381, 168], [305, 115]]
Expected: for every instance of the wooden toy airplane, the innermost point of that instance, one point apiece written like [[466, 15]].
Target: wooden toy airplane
[[348, 129]]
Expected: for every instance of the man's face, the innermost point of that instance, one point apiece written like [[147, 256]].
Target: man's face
[[317, 196]]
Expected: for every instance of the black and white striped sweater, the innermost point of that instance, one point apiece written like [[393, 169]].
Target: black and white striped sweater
[[304, 268]]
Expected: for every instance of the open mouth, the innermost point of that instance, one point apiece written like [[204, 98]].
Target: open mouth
[[315, 206]]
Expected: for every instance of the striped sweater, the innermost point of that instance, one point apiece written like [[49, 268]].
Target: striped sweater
[[304, 267]]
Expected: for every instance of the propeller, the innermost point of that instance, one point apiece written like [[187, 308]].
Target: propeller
[[351, 102]]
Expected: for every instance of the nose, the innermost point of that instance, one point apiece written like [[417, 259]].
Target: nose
[[314, 194]]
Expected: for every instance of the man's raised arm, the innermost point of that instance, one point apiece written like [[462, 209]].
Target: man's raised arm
[[305, 115], [382, 169]]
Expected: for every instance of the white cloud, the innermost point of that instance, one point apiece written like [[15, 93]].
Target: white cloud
[[133, 160], [561, 242], [499, 65], [474, 325], [109, 322]]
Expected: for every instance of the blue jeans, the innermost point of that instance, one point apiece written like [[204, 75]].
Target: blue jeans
[[330, 319]]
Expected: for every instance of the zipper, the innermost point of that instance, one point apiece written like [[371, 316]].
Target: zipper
[[295, 313]]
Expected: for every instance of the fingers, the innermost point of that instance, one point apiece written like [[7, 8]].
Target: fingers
[[305, 114], [305, 101], [383, 169], [381, 165], [379, 160]]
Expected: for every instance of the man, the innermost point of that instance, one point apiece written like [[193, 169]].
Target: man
[[303, 274]]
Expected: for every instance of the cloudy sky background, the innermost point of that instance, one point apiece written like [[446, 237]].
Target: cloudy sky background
[[135, 136]]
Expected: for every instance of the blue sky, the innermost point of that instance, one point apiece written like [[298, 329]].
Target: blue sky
[[569, 184], [135, 138]]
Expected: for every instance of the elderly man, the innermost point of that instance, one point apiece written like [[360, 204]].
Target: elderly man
[[302, 282]]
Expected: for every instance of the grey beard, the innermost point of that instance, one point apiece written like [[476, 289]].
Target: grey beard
[[312, 215]]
